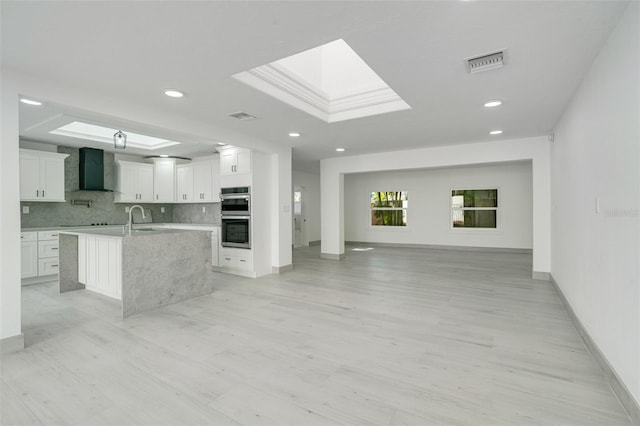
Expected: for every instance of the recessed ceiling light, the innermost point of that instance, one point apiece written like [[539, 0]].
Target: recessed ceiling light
[[173, 93], [495, 132], [221, 144], [493, 103], [294, 134], [30, 102], [340, 149], [164, 155]]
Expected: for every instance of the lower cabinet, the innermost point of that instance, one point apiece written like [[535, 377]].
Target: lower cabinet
[[100, 264], [39, 256], [28, 254], [237, 260]]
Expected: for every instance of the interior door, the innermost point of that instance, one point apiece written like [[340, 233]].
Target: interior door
[[299, 218]]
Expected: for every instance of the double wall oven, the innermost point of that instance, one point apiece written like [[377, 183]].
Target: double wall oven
[[236, 217]]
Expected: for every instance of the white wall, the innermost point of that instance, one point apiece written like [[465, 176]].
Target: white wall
[[311, 184], [281, 199], [9, 211], [428, 215], [596, 156], [536, 150]]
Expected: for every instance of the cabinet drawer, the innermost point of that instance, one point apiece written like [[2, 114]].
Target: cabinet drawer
[[47, 235], [28, 236], [237, 261], [227, 260], [48, 248], [48, 266]]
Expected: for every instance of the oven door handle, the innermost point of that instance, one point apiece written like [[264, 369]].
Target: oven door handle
[[234, 197], [236, 217]]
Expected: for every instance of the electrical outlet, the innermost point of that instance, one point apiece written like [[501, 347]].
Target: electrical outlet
[[161, 209], [204, 209], [126, 209], [25, 209]]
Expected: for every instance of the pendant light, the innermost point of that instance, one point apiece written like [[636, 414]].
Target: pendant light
[[119, 140]]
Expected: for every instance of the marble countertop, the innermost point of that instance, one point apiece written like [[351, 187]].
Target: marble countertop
[[205, 226], [122, 231]]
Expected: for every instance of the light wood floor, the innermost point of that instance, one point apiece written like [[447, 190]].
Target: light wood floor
[[385, 337]]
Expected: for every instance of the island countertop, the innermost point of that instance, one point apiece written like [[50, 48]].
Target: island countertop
[[150, 268], [123, 232]]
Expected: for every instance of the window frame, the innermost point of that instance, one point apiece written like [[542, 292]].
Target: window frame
[[389, 227], [498, 208]]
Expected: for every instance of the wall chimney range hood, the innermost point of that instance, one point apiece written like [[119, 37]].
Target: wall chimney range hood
[[92, 170]]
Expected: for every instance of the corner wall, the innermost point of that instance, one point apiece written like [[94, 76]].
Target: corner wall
[[595, 170]]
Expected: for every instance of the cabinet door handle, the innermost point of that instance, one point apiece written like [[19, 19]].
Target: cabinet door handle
[[54, 248], [54, 266], [156, 196], [37, 193], [43, 192]]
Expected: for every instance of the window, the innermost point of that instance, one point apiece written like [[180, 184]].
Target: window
[[389, 208], [474, 208]]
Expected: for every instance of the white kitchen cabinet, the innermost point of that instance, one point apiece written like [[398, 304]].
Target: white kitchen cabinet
[[48, 266], [203, 181], [82, 259], [41, 176], [39, 255], [100, 265], [164, 180], [215, 178], [29, 254], [48, 246], [234, 161], [195, 182], [236, 260], [134, 182], [184, 183]]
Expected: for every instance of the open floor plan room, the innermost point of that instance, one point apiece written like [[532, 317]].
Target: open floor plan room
[[389, 336]]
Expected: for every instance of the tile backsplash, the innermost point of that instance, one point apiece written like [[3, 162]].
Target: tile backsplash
[[103, 209], [192, 213]]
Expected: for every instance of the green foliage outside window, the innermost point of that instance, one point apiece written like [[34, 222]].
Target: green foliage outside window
[[389, 208]]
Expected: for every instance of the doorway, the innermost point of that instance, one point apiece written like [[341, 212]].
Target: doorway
[[300, 237]]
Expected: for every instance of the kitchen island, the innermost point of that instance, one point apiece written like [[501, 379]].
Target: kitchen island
[[145, 269]]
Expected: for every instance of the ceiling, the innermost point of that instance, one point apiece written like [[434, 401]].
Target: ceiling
[[134, 50]]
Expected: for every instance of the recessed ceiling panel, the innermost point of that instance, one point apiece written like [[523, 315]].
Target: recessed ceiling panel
[[330, 82], [80, 130]]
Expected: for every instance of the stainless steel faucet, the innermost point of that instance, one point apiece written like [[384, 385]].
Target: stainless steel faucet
[[130, 218]]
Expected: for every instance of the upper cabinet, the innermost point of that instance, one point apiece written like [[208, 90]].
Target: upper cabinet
[[184, 183], [134, 182], [197, 182], [235, 160], [164, 180], [41, 176]]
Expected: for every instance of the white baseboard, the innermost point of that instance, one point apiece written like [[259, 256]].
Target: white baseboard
[[281, 269], [12, 344], [332, 256], [627, 400], [442, 247], [542, 276]]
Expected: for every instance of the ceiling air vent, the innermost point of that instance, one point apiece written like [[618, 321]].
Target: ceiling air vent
[[486, 62], [242, 116]]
